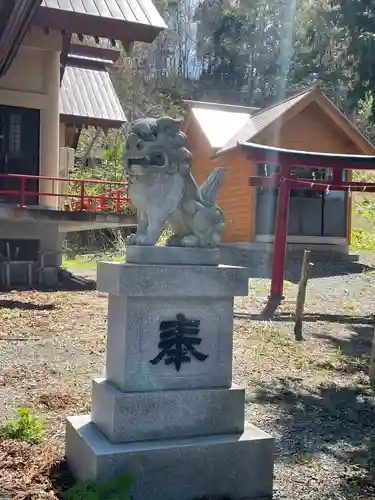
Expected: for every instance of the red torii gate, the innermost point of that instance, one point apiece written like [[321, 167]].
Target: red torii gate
[[284, 182]]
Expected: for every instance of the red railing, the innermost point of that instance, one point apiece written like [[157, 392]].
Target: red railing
[[112, 199]]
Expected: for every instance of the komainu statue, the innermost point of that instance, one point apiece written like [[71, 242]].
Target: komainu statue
[[163, 190]]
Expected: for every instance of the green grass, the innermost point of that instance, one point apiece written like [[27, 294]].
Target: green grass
[[262, 288], [275, 345], [350, 305], [307, 460], [25, 427], [117, 489], [272, 348], [6, 312], [363, 216], [90, 261]]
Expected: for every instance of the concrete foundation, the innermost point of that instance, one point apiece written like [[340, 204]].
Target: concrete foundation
[[47, 228], [255, 254], [44, 262], [167, 412]]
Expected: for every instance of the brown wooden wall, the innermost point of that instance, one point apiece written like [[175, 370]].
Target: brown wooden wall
[[235, 196], [309, 130]]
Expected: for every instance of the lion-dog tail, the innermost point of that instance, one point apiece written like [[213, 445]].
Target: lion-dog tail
[[209, 189]]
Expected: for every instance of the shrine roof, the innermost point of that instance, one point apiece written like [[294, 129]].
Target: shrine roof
[[265, 117], [224, 126], [211, 117], [125, 20], [87, 95]]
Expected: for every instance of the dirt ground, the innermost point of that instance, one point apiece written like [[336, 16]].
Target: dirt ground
[[314, 396]]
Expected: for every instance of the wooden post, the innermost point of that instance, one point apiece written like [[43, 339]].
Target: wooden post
[[301, 296], [372, 364]]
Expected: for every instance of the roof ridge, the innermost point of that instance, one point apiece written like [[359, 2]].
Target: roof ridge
[[273, 106], [222, 106], [307, 90]]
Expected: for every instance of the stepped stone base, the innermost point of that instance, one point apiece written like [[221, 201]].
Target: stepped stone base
[[236, 465], [167, 413], [141, 416]]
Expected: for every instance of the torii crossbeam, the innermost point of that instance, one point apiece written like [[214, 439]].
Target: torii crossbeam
[[284, 181]]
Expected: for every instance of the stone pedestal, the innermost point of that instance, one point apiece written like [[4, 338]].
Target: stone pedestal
[[167, 411]]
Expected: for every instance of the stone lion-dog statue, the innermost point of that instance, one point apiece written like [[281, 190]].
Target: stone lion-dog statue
[[163, 190]]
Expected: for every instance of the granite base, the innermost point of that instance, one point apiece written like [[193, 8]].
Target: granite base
[[239, 466], [172, 255], [142, 416]]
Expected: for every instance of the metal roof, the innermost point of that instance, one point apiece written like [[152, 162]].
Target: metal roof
[[274, 154], [264, 118], [259, 122], [134, 11], [225, 125], [87, 97], [220, 106], [219, 126], [104, 18]]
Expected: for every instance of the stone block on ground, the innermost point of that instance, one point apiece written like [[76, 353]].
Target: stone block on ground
[[239, 466], [142, 416]]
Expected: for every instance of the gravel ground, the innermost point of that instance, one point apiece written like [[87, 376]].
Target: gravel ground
[[313, 396]]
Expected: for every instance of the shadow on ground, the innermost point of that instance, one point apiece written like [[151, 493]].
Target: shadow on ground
[[26, 306], [60, 478], [336, 421], [329, 421], [67, 282], [357, 345], [311, 318]]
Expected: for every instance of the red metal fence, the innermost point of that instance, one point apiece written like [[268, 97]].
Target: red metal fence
[[78, 195]]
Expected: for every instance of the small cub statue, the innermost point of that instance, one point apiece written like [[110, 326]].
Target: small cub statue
[[163, 190]]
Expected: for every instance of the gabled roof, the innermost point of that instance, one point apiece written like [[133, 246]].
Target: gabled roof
[[281, 112], [212, 116], [225, 126], [125, 20], [219, 106], [87, 95], [263, 118]]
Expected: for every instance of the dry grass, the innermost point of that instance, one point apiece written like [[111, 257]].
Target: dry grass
[[32, 471], [312, 396]]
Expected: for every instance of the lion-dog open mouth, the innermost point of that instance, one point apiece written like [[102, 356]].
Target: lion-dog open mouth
[[152, 160]]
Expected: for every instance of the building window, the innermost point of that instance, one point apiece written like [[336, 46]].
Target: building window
[[15, 133]]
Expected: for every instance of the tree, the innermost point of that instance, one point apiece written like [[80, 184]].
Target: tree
[[320, 51], [357, 19], [248, 48]]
